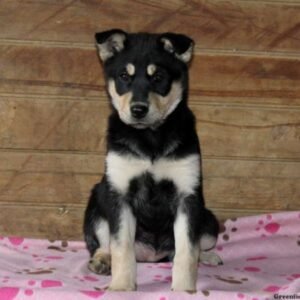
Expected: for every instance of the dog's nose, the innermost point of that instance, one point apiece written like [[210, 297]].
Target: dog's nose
[[139, 111]]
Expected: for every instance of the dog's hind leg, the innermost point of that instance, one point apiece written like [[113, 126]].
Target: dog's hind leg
[[97, 235], [208, 258], [208, 239], [100, 262]]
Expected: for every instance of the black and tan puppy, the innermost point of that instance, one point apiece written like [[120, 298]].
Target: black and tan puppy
[[149, 204]]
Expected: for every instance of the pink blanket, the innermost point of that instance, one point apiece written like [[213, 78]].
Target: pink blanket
[[261, 257]]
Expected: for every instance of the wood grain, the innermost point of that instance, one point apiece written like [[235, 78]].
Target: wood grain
[[68, 125], [53, 125], [65, 222], [50, 70], [233, 25], [77, 72], [48, 178], [248, 132], [56, 222], [244, 90]]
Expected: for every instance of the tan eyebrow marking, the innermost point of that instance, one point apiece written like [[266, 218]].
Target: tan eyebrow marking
[[151, 69], [130, 68]]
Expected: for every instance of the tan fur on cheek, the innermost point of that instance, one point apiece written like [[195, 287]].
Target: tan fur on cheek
[[156, 101], [165, 105], [125, 100], [120, 102]]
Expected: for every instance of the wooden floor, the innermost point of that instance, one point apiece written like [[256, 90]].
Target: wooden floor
[[245, 92]]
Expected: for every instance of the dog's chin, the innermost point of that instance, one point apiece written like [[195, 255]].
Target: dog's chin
[[139, 125], [143, 124], [152, 126]]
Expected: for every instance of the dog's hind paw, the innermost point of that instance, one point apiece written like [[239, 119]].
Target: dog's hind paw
[[210, 258], [100, 263]]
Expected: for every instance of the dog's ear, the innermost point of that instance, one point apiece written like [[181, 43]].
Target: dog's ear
[[178, 44], [110, 42]]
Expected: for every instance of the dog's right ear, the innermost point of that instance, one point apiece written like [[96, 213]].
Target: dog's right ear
[[110, 42]]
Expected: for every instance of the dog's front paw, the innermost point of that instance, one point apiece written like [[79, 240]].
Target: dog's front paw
[[122, 287], [100, 263], [188, 287], [184, 281], [210, 258]]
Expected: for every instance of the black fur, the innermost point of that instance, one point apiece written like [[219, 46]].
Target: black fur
[[154, 204]]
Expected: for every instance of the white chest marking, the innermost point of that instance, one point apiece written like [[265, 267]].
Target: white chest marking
[[123, 168], [184, 172]]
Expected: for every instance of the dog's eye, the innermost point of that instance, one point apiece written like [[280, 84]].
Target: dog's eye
[[124, 76], [157, 77]]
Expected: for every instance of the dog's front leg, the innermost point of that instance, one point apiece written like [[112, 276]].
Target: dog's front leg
[[185, 264], [123, 262]]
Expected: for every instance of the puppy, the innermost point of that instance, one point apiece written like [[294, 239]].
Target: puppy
[[149, 205]]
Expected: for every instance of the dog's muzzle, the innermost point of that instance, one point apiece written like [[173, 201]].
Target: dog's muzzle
[[139, 110]]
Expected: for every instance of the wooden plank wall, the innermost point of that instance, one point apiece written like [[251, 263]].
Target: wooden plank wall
[[245, 91]]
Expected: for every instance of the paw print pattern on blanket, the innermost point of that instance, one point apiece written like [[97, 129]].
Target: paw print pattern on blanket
[[255, 268], [205, 292], [16, 241], [8, 293], [268, 226], [93, 294], [231, 279], [227, 229], [62, 248], [161, 278], [38, 271]]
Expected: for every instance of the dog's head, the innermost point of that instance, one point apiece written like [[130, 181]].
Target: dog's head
[[146, 74]]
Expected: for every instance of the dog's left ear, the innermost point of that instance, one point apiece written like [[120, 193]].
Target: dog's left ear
[[110, 42], [178, 44]]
